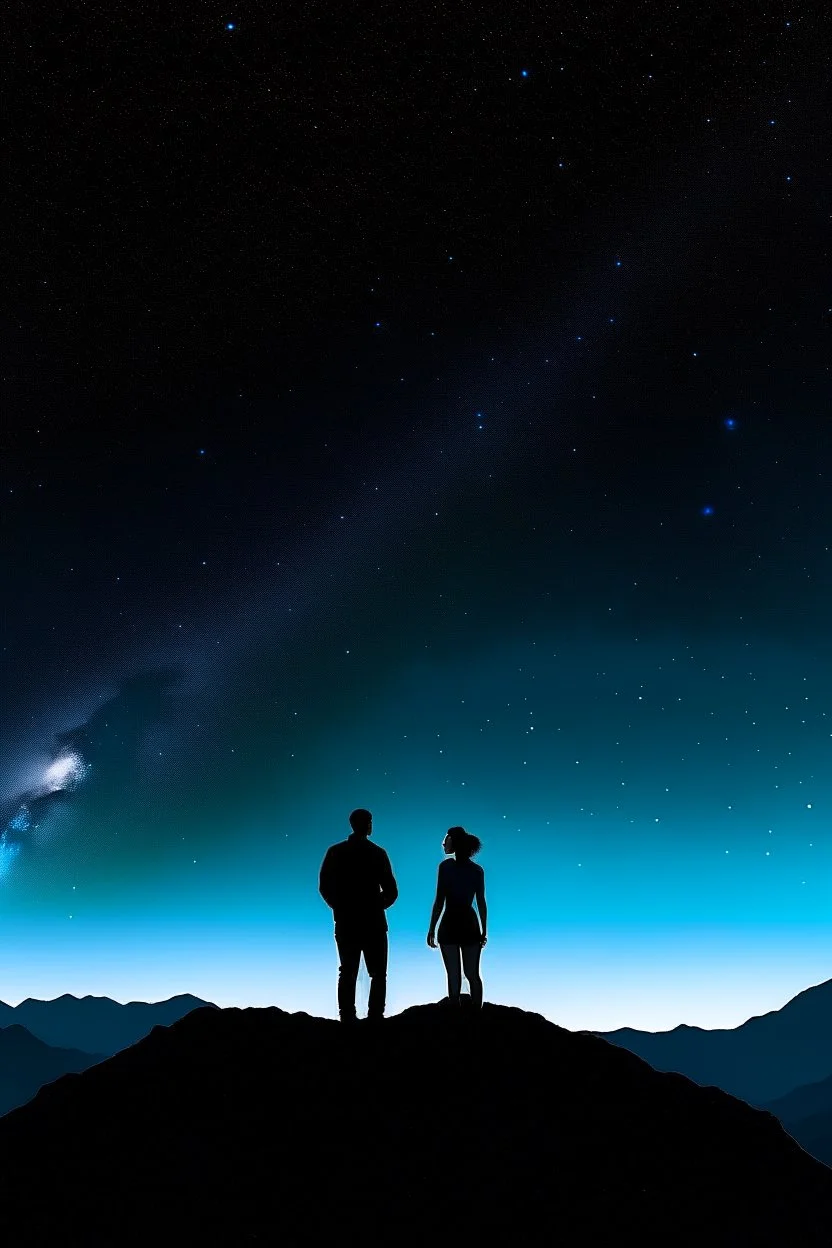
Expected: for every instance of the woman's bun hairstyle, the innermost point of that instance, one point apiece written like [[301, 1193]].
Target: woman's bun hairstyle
[[464, 843]]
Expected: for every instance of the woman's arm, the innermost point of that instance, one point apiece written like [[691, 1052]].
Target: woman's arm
[[482, 907], [437, 909]]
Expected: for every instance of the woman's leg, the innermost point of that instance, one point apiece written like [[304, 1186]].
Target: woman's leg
[[450, 956], [471, 963]]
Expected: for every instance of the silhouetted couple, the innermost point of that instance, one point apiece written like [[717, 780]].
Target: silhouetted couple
[[358, 884]]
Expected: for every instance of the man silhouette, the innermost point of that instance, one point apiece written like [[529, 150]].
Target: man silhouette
[[358, 885]]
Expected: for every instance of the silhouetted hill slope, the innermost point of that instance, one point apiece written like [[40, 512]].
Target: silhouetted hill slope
[[814, 1134], [26, 1064], [806, 1114], [815, 1098], [95, 1024], [256, 1126], [764, 1058]]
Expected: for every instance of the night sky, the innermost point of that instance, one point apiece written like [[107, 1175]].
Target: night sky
[[422, 407]]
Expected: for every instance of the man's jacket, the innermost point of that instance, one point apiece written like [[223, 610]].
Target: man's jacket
[[357, 882]]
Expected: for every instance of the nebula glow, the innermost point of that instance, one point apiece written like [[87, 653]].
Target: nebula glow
[[34, 812], [66, 772]]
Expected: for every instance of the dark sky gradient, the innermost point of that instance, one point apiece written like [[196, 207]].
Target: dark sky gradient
[[425, 410]]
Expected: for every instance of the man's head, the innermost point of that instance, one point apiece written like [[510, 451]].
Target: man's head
[[361, 822]]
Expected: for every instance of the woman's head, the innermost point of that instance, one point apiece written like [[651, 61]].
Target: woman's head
[[463, 844]]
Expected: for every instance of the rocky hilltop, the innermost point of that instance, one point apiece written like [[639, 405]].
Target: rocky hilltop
[[258, 1126]]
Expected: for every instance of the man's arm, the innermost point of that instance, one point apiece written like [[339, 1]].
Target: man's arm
[[326, 880], [389, 887]]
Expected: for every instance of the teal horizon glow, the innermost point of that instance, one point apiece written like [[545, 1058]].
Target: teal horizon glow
[[654, 854]]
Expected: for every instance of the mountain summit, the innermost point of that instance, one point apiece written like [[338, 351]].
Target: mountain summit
[[257, 1126]]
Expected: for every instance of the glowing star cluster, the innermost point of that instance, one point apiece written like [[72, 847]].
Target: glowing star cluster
[[65, 773]]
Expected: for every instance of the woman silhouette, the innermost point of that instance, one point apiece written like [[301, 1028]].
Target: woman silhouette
[[459, 881]]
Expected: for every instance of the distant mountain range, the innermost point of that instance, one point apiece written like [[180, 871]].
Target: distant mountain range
[[806, 1114], [815, 1098], [764, 1059], [42, 1040], [26, 1064], [814, 1133], [96, 1024], [434, 1127]]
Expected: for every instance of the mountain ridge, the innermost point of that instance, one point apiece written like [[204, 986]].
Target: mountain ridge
[[27, 1064], [763, 1059], [96, 1024], [809, 1099], [806, 1113]]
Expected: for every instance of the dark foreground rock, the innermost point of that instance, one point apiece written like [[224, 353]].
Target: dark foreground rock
[[257, 1126]]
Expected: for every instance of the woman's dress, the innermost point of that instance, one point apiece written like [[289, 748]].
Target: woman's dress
[[459, 924]]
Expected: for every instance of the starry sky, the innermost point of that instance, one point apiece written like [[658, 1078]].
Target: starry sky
[[422, 408]]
